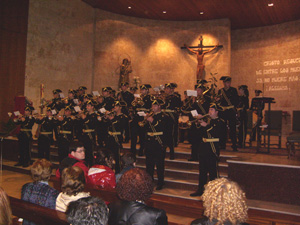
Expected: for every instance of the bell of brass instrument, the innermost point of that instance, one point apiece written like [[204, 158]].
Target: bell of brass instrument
[[138, 101], [197, 121], [144, 122]]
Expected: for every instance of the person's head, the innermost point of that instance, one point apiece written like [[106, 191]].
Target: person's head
[[87, 211], [41, 170], [214, 110], [224, 200], [106, 91], [200, 89], [128, 159], [49, 112], [133, 90], [200, 51], [72, 180], [28, 110], [135, 184], [104, 157], [77, 150], [56, 93], [90, 106], [243, 90], [100, 99], [81, 90], [145, 89], [226, 81], [68, 111], [257, 92], [156, 105], [5, 210], [124, 86], [117, 107], [71, 93]]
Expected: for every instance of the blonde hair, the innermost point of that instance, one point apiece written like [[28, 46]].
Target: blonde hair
[[72, 180], [41, 170], [224, 200], [5, 210]]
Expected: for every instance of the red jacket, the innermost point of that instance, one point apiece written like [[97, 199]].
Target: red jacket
[[102, 176], [72, 161]]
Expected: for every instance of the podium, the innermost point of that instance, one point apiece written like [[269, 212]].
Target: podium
[[260, 102]]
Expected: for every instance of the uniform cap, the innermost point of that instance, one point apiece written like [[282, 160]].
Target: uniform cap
[[72, 91], [56, 91], [124, 83], [133, 88], [107, 89], [158, 101], [200, 86], [225, 78], [216, 106], [171, 85], [119, 103], [145, 86], [91, 102], [29, 108], [82, 88], [202, 82]]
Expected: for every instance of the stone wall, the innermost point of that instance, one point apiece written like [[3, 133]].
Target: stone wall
[[154, 49], [268, 58], [59, 46]]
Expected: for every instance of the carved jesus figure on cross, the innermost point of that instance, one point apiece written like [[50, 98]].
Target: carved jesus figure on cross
[[200, 55]]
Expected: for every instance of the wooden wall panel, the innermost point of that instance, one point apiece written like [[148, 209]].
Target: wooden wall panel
[[13, 38]]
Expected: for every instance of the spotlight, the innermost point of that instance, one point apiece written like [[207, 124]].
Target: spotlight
[[270, 4], [164, 11], [201, 13], [129, 7]]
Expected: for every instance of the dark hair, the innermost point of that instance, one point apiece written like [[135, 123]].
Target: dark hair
[[128, 159], [5, 210], [74, 145], [72, 180], [41, 170], [87, 211], [135, 184], [104, 157]]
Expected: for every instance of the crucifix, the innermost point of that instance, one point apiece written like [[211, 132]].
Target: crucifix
[[200, 55]]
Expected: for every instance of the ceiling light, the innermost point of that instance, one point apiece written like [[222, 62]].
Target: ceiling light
[[164, 11], [129, 7], [201, 13], [270, 4]]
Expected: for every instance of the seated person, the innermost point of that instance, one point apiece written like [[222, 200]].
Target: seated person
[[87, 211], [224, 203], [39, 192], [128, 162], [102, 173], [133, 189], [75, 158], [72, 185], [5, 210]]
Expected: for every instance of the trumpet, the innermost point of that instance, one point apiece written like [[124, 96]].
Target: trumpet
[[138, 101], [197, 121], [145, 121]]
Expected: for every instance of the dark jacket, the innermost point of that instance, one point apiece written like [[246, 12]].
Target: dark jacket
[[133, 213], [205, 221]]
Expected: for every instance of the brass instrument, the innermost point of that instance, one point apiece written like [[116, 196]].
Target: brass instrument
[[145, 121], [138, 101], [197, 121]]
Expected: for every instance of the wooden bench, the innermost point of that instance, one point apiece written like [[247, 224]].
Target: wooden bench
[[37, 214]]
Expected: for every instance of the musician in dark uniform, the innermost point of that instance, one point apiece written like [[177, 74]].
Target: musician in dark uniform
[[133, 90], [89, 121], [228, 98], [201, 104], [114, 142], [242, 108], [25, 136], [142, 105], [56, 103], [172, 106], [81, 92], [209, 151], [45, 134], [65, 136], [123, 118], [108, 100], [158, 135], [185, 112]]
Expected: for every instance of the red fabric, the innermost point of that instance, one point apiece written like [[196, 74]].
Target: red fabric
[[103, 179], [79, 164]]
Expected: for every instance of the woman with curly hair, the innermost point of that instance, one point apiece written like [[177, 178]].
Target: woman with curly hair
[[72, 185], [39, 192], [133, 189], [5, 210], [224, 203]]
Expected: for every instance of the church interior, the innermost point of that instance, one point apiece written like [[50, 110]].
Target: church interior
[[47, 45]]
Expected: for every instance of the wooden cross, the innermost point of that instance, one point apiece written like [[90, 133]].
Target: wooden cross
[[200, 45]]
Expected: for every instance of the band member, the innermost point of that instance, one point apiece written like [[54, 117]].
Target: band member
[[89, 121], [81, 92], [70, 100], [142, 104], [125, 96], [108, 100], [86, 98], [45, 134], [133, 90], [242, 108], [210, 148], [158, 135], [114, 142], [201, 104], [65, 136], [124, 120], [228, 98], [185, 113], [172, 106], [56, 103], [112, 94], [25, 136]]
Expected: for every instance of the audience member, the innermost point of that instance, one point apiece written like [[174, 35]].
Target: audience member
[[133, 189], [224, 203], [75, 158], [5, 210], [128, 161], [102, 173], [39, 192], [72, 185], [87, 211]]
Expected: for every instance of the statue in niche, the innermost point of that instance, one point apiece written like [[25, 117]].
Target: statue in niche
[[200, 56], [125, 70]]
